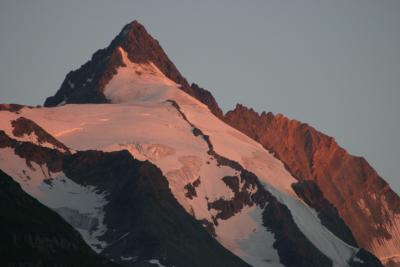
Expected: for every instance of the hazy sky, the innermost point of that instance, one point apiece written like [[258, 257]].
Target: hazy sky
[[334, 64]]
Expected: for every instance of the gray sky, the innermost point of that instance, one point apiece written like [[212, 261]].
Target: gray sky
[[334, 64]]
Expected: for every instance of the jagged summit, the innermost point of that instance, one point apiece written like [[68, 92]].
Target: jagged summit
[[143, 48], [86, 84]]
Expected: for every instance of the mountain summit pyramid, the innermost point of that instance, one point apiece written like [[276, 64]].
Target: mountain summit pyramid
[[86, 84]]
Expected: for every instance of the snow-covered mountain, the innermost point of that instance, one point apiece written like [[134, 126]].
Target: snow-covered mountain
[[151, 173]]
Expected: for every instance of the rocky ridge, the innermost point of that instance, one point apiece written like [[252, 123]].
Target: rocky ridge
[[348, 184]]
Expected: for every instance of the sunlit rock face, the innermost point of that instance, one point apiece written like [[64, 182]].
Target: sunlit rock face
[[364, 201]]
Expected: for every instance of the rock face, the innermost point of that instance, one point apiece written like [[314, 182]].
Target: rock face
[[12, 107], [33, 235], [361, 197], [86, 84], [206, 98], [33, 153], [23, 126]]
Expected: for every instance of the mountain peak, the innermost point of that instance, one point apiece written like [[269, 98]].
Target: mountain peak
[[140, 45], [86, 84], [133, 27]]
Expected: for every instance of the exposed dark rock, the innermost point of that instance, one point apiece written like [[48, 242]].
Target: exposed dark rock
[[233, 183], [196, 183], [51, 158], [209, 226], [23, 126], [328, 214], [364, 258], [191, 189], [206, 98], [6, 141], [34, 235], [242, 198], [13, 107]]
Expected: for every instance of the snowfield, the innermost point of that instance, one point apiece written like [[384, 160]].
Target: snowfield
[[143, 121]]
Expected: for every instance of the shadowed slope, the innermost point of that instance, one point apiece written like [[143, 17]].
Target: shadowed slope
[[33, 235]]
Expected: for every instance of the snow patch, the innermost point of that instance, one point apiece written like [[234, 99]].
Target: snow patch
[[157, 262], [129, 258], [71, 84], [142, 82], [355, 259], [67, 131], [253, 243]]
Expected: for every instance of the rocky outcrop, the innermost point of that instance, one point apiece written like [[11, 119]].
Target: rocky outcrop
[[361, 197], [364, 258], [86, 84], [33, 153], [191, 189], [23, 126], [33, 235], [206, 98], [13, 107]]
